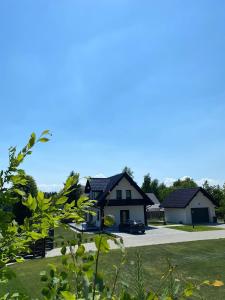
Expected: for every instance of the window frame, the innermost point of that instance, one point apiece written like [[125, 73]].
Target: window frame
[[130, 195], [119, 192]]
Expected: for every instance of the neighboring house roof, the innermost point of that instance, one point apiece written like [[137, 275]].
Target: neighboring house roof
[[153, 197], [155, 200], [106, 185], [180, 198]]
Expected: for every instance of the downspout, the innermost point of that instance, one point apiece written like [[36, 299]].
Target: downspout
[[145, 215]]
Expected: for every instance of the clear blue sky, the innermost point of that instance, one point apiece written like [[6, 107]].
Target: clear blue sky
[[137, 83]]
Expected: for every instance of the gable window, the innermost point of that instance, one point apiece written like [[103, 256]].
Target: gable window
[[128, 194], [118, 194]]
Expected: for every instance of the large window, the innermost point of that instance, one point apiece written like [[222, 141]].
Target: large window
[[128, 194], [118, 194]]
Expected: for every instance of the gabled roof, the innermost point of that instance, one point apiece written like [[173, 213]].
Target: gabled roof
[[153, 197], [106, 185], [98, 184], [180, 198]]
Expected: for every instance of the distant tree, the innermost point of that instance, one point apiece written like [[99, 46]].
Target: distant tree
[[184, 183], [216, 192], [29, 188], [163, 191], [50, 194], [160, 190], [76, 190], [128, 171], [151, 186], [146, 185]]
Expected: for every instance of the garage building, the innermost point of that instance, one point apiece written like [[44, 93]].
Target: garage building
[[189, 206]]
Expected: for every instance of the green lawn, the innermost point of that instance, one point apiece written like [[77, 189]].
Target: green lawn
[[190, 228], [62, 233], [200, 260]]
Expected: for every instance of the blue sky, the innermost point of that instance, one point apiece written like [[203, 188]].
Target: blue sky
[[137, 83]]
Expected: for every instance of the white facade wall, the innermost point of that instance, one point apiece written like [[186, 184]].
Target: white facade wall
[[136, 212], [175, 215], [183, 215], [124, 185]]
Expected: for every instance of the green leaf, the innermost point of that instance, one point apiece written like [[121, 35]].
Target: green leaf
[[188, 292], [64, 275], [21, 193], [109, 220], [20, 157], [45, 132], [30, 202], [68, 295], [43, 203], [63, 250], [46, 292], [80, 251], [36, 235], [19, 259], [102, 244], [61, 200], [32, 140], [43, 140], [15, 295]]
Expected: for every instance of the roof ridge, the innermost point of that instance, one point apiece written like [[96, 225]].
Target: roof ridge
[[99, 177], [187, 188]]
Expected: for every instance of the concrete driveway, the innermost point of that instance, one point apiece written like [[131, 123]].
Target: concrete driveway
[[164, 235], [155, 236]]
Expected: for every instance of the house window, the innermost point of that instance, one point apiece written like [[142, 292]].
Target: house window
[[95, 195], [128, 194], [118, 194]]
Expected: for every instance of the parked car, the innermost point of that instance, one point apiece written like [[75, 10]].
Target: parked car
[[132, 226]]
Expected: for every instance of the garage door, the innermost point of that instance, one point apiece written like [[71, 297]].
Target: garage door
[[200, 215]]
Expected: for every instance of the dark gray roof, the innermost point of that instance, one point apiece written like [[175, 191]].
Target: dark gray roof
[[180, 198], [98, 184], [105, 185]]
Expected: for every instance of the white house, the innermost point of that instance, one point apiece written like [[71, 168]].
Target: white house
[[118, 195], [189, 206]]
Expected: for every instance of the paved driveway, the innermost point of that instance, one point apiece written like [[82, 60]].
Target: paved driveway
[[155, 236], [164, 235]]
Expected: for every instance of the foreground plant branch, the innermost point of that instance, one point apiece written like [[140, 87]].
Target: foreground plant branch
[[82, 266]]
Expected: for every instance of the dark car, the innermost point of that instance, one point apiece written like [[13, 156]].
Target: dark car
[[132, 226]]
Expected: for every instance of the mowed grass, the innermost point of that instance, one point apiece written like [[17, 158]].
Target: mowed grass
[[65, 234], [200, 260], [196, 228]]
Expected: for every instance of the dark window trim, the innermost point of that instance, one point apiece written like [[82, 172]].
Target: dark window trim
[[119, 194], [130, 197]]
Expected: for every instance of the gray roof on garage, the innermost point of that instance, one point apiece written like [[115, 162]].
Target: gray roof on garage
[[180, 198]]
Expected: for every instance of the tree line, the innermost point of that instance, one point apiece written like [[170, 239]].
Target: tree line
[[149, 185], [153, 185]]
